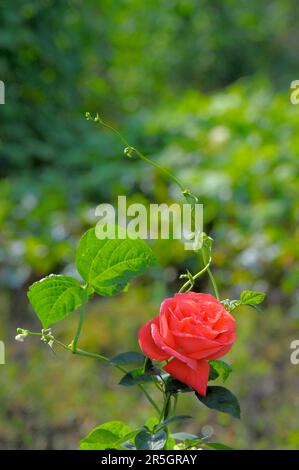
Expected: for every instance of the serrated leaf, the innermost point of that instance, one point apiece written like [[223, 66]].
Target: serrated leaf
[[145, 440], [250, 297], [130, 357], [221, 399], [55, 297], [137, 376], [221, 368], [108, 265]]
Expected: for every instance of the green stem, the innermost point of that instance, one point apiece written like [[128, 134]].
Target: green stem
[[81, 320], [186, 193], [150, 399], [166, 406], [166, 172], [210, 274], [81, 352], [50, 337], [188, 284], [175, 402], [212, 279], [121, 137]]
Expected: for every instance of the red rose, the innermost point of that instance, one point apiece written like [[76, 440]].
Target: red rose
[[191, 328]]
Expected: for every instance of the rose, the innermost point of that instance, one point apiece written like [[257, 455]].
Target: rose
[[191, 329]]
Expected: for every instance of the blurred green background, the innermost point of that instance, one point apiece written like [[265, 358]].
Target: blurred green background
[[202, 87]]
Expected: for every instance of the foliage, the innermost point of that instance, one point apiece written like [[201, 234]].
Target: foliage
[[236, 144], [107, 265]]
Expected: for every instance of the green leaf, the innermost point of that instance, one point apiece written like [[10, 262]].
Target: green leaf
[[182, 436], [118, 428], [150, 368], [258, 309], [221, 368], [250, 297], [109, 265], [247, 297], [125, 358], [151, 423], [172, 420], [174, 386], [126, 439], [216, 446], [221, 399], [192, 444], [137, 376], [145, 440], [107, 435], [170, 443], [213, 374], [102, 440], [55, 297], [128, 445]]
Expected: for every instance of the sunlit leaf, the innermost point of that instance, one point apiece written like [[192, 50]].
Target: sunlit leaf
[[108, 265]]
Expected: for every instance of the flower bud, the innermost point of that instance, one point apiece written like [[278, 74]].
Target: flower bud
[[22, 336]]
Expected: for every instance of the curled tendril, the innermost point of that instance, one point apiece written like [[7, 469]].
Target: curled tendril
[[89, 117], [128, 151], [188, 194]]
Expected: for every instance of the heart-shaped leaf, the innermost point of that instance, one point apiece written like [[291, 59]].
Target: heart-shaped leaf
[[250, 297], [108, 265], [107, 435], [54, 297]]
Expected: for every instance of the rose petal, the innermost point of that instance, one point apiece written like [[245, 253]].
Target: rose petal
[[212, 353], [147, 343], [165, 331], [168, 350], [196, 379], [191, 344]]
